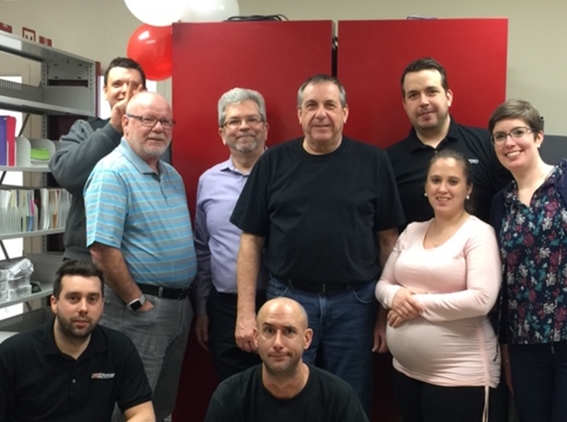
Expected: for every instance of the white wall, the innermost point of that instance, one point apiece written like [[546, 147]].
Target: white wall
[[537, 62]]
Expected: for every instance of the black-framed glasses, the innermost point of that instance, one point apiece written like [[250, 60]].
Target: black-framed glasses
[[152, 121], [516, 133], [251, 121]]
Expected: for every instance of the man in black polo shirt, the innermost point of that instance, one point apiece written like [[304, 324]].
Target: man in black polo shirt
[[72, 369], [426, 100]]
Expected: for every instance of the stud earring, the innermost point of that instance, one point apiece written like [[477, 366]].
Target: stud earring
[[468, 197], [425, 194]]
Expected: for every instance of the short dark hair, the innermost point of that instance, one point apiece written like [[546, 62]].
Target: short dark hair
[[517, 109], [126, 63], [465, 165], [76, 267], [318, 79], [425, 63]]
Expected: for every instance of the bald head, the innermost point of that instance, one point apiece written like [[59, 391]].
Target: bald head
[[282, 336], [146, 99], [283, 305]]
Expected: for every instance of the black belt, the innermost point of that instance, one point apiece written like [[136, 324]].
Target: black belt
[[164, 292], [320, 287]]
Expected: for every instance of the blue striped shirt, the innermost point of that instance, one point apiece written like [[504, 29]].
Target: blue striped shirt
[[145, 215]]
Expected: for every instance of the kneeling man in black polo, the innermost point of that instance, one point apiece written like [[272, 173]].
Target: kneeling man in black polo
[[72, 369]]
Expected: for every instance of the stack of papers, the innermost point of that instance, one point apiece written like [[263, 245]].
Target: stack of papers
[[15, 277]]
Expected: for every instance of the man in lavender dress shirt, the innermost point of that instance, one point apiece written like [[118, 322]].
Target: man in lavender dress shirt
[[243, 129]]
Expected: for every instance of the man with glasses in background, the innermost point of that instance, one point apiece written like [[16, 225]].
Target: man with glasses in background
[[243, 129], [139, 233]]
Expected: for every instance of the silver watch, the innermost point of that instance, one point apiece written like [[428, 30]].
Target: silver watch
[[137, 303]]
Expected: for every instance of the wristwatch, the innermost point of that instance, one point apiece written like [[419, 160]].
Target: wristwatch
[[137, 303]]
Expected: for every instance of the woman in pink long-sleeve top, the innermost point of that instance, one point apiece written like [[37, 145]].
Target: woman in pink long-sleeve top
[[438, 285]]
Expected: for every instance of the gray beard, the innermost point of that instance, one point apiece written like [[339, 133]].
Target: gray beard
[[248, 148]]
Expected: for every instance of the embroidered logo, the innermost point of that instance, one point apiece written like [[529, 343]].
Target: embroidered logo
[[473, 160], [101, 376]]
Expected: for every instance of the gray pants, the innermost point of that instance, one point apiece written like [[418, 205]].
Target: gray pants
[[160, 335]]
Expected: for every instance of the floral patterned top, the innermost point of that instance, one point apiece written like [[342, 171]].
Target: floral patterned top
[[533, 245]]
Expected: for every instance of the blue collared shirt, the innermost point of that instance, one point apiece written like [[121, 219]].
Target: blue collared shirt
[[145, 215]]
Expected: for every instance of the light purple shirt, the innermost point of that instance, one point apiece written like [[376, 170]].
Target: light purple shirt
[[217, 240]]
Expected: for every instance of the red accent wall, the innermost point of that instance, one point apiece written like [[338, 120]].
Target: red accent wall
[[275, 58], [373, 54]]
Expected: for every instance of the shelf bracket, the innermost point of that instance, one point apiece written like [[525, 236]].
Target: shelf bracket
[[4, 251]]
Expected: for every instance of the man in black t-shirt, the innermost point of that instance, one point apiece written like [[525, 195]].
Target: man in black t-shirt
[[284, 388], [322, 212]]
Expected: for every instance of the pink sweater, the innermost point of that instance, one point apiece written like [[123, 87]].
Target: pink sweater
[[452, 343]]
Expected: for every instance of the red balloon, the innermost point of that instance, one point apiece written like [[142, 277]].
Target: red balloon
[[150, 46]]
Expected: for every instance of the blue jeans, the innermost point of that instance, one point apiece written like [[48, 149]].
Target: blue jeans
[[539, 378], [343, 326]]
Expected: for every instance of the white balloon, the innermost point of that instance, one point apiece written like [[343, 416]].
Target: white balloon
[[209, 10], [157, 12]]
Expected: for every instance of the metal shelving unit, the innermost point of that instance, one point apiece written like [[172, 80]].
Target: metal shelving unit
[[68, 83], [36, 169], [31, 234], [67, 88], [41, 275], [46, 290]]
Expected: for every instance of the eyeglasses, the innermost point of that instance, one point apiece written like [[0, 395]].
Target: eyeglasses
[[250, 121], [152, 121], [516, 133]]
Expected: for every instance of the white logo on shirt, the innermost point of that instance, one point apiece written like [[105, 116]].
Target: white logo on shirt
[[101, 376]]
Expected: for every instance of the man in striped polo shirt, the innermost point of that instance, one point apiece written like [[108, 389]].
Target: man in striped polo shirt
[[139, 233]]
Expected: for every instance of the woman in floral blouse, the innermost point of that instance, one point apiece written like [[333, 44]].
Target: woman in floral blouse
[[530, 218]]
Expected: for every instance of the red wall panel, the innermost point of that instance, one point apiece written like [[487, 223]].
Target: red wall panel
[[275, 58], [211, 58], [373, 54]]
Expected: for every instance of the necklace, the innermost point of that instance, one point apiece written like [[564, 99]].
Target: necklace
[[434, 236]]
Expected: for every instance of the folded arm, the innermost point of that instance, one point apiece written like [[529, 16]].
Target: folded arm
[[483, 278]]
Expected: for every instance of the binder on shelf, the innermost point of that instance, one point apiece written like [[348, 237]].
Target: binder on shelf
[[3, 142], [11, 140]]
